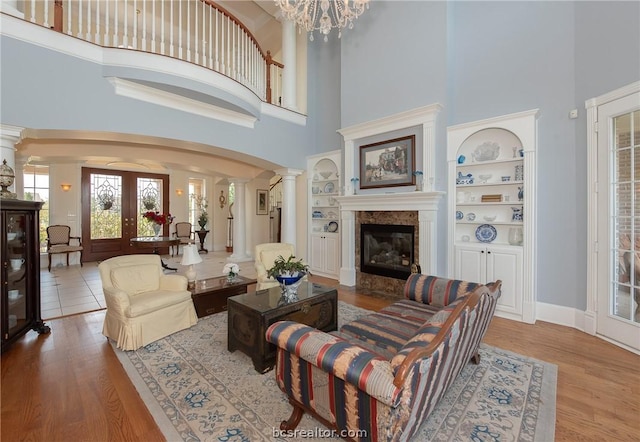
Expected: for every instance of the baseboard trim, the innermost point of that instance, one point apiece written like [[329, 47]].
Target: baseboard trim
[[561, 315]]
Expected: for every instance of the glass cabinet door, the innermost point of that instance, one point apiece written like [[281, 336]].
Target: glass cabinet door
[[15, 292]]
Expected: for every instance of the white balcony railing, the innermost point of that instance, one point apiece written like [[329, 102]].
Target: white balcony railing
[[196, 31]]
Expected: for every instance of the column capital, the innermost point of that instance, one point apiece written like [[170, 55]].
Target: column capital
[[288, 172], [10, 132]]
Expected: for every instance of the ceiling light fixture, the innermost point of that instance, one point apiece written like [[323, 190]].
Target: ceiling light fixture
[[322, 15]]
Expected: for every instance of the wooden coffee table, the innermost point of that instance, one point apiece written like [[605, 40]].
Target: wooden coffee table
[[250, 315], [210, 295]]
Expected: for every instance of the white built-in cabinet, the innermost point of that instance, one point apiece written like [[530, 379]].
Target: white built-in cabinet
[[492, 201], [324, 184]]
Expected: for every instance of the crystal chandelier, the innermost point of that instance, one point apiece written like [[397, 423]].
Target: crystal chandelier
[[322, 15]]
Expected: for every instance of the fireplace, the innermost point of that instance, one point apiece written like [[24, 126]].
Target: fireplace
[[387, 249]]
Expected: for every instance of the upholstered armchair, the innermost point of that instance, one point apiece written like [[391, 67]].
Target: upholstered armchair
[[143, 304], [265, 255], [59, 240]]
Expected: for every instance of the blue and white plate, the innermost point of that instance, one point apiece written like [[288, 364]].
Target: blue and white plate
[[486, 233], [459, 215]]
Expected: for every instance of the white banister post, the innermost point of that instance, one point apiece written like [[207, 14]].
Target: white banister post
[[9, 136], [290, 99], [239, 221], [288, 203]]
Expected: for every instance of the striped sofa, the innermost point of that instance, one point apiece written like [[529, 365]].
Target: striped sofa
[[379, 377]]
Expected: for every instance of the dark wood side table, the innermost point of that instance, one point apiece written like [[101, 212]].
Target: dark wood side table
[[251, 314], [210, 295], [202, 234], [151, 242]]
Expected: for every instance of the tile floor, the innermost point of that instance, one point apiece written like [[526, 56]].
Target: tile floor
[[70, 290]]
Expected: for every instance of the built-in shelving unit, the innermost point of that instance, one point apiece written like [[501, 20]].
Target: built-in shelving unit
[[492, 207], [324, 178]]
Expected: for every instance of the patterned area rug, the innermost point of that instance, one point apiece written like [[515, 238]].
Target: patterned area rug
[[197, 391]]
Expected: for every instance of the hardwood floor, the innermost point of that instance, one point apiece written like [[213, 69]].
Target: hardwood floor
[[69, 385]]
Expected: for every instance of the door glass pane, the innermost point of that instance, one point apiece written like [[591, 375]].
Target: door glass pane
[[626, 216], [149, 199], [106, 206]]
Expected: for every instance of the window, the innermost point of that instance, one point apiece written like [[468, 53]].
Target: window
[[36, 188], [197, 194]]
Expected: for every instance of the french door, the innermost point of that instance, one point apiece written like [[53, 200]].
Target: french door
[[618, 222], [113, 203]]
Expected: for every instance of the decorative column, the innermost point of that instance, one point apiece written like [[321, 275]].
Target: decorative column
[[239, 222], [289, 76], [9, 136], [288, 217]]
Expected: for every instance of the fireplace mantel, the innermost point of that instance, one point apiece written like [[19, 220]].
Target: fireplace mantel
[[391, 201], [425, 203]]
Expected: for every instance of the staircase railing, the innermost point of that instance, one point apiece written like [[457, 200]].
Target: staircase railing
[[196, 31]]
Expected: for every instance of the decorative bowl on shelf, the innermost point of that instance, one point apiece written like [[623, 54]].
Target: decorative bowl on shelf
[[485, 177], [11, 236], [315, 190], [326, 174], [487, 151], [489, 218]]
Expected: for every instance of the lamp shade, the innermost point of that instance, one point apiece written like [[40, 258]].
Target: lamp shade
[[190, 255]]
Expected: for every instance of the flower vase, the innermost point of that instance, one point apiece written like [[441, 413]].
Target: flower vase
[[156, 230], [231, 277]]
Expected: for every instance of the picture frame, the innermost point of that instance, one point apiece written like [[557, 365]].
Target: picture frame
[[262, 202], [388, 163]]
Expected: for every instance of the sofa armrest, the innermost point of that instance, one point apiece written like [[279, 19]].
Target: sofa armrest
[[351, 363], [420, 353], [173, 282], [116, 299]]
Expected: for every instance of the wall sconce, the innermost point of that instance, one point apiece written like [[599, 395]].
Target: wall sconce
[[179, 192], [65, 187], [222, 199]]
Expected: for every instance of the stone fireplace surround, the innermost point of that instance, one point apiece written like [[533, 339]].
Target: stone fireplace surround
[[411, 208], [378, 283]]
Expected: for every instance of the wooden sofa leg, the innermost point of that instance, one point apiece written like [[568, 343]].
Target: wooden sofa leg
[[294, 419], [476, 358]]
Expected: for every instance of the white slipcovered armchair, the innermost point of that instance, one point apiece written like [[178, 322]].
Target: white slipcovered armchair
[[143, 304], [265, 255]]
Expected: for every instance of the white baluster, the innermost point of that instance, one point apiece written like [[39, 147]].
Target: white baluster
[[46, 15], [88, 33], [195, 35], [116, 21], [188, 31], [135, 24], [32, 19], [180, 30], [153, 27], [125, 27], [106, 23], [79, 19], [144, 25], [97, 35], [171, 29], [218, 66], [69, 22]]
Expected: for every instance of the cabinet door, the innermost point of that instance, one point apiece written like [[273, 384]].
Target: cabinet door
[[505, 264], [316, 254], [471, 264], [332, 256]]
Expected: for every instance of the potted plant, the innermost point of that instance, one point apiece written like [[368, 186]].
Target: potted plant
[[289, 268], [201, 204], [289, 274]]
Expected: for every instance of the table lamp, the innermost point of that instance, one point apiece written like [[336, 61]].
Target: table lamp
[[190, 256]]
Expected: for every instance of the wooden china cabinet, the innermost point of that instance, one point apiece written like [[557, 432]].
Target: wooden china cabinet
[[20, 295]]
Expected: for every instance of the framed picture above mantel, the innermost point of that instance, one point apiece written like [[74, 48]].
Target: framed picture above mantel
[[388, 163]]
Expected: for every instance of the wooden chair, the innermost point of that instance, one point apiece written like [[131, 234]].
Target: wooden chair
[[185, 234], [59, 241]]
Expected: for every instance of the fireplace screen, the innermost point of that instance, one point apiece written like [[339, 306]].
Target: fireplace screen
[[386, 250]]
